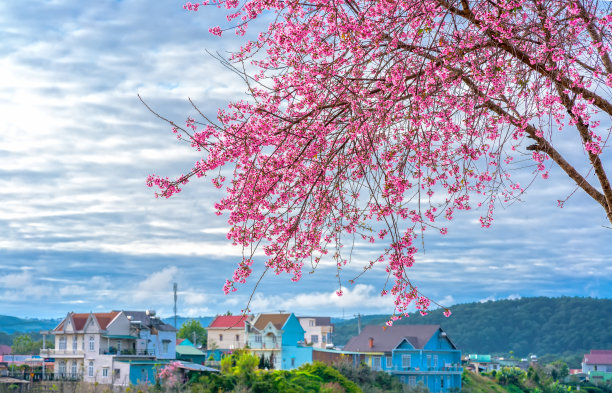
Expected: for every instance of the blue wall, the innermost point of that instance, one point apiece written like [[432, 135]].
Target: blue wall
[[292, 331], [294, 356]]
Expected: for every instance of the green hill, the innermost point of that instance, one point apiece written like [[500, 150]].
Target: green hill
[[554, 326], [10, 324]]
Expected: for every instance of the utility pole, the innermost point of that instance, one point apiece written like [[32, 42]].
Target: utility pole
[[175, 288], [358, 315]]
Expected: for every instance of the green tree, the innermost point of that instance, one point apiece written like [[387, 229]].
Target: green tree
[[24, 345], [188, 329]]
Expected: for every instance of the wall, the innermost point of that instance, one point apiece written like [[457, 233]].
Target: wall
[[293, 357]]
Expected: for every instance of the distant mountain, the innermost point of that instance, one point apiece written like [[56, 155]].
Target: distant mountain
[[554, 326], [10, 324]]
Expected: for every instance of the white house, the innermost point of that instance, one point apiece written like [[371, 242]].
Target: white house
[[317, 331], [89, 347]]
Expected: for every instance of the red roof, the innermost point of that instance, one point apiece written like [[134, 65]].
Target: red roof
[[229, 321], [103, 319], [598, 357]]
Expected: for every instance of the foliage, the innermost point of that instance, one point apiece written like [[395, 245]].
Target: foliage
[[375, 120], [369, 380], [535, 380], [188, 329], [239, 372], [526, 326], [24, 345]]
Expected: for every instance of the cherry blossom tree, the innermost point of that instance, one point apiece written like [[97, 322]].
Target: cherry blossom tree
[[374, 120]]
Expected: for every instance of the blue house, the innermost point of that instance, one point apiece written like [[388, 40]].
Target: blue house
[[278, 338], [414, 353]]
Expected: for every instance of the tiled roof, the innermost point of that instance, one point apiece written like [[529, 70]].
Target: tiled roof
[[148, 321], [598, 358], [229, 321], [79, 319], [385, 340], [104, 319], [278, 320]]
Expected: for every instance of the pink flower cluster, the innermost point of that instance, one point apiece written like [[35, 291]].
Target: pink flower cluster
[[376, 120]]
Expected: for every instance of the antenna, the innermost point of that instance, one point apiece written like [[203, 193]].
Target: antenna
[[358, 315], [175, 288]]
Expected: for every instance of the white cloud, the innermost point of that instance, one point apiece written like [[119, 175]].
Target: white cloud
[[156, 285], [360, 297]]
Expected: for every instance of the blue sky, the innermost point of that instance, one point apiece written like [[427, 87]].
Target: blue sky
[[80, 231]]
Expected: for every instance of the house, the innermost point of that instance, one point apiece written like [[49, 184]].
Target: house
[[598, 365], [5, 350], [415, 353], [278, 338], [91, 347], [184, 341], [317, 331], [159, 337], [227, 332], [190, 354]]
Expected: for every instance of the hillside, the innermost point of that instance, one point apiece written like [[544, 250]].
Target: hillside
[[10, 324], [555, 326]]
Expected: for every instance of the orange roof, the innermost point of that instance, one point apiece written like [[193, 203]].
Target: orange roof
[[278, 320], [79, 319], [105, 318], [229, 321]]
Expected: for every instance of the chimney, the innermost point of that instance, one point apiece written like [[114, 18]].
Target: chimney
[[371, 341]]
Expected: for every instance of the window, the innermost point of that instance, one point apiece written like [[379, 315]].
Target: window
[[376, 363], [117, 374], [329, 337], [90, 368], [62, 367], [220, 337], [435, 361], [105, 372], [165, 345], [292, 362], [258, 338], [74, 343], [323, 338], [74, 369], [237, 337], [92, 343], [428, 361], [442, 382], [311, 323], [118, 346], [274, 339], [412, 380], [389, 361], [62, 342], [406, 360], [314, 338]]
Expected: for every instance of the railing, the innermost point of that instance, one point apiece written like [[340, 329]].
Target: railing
[[426, 369], [54, 352], [126, 352]]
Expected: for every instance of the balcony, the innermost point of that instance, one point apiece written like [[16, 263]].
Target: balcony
[[62, 353], [427, 370], [127, 352]]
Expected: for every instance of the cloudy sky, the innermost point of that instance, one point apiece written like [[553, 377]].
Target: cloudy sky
[[80, 231]]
